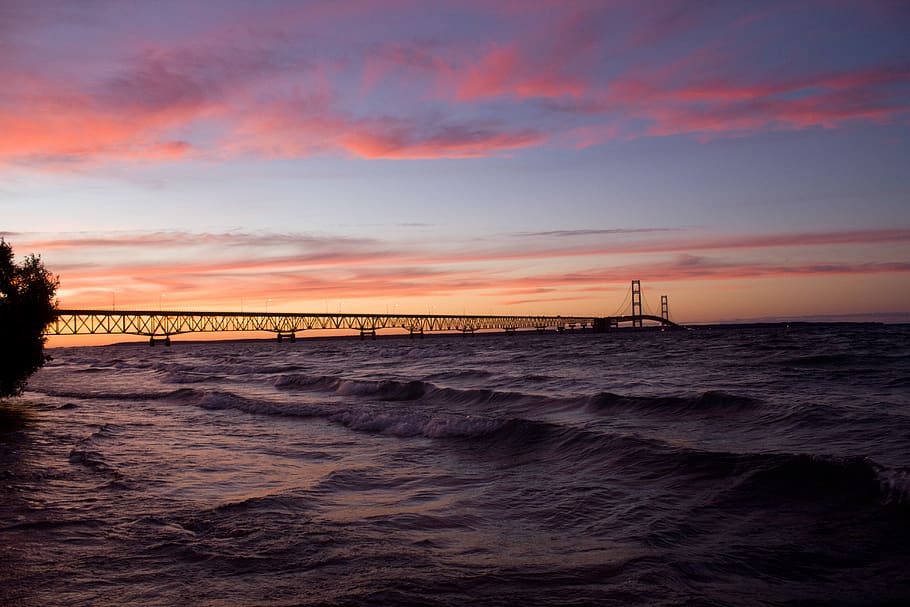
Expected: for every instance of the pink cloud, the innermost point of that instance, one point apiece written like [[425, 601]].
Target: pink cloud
[[566, 73], [507, 71], [49, 122], [311, 127], [71, 128], [722, 105], [148, 110], [554, 58], [281, 252], [458, 141]]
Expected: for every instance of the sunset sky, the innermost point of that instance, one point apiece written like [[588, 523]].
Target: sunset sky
[[749, 159]]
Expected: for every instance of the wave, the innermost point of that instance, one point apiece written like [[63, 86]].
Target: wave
[[483, 396], [185, 377], [749, 479], [393, 390], [99, 395], [319, 383], [411, 423], [463, 374], [93, 461], [272, 369], [753, 478], [180, 373], [215, 399], [223, 399], [895, 485], [389, 390], [713, 401], [260, 504], [85, 454], [372, 419], [851, 480]]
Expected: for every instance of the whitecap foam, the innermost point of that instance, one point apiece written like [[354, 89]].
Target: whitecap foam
[[412, 423], [895, 485]]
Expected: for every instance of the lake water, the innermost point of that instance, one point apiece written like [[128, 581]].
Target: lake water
[[719, 466]]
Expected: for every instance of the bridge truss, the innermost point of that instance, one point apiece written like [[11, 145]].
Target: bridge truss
[[162, 324]]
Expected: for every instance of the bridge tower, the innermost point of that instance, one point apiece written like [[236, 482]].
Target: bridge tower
[[664, 307], [636, 303]]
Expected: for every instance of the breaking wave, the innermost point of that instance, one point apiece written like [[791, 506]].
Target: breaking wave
[[757, 477], [393, 390]]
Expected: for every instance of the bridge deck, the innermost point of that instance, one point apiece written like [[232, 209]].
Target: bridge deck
[[173, 322]]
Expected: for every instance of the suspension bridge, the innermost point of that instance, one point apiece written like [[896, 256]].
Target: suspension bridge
[[160, 325]]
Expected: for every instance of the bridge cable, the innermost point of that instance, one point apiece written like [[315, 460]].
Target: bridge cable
[[627, 301], [646, 306]]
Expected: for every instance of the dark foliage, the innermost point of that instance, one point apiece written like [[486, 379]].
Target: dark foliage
[[27, 306]]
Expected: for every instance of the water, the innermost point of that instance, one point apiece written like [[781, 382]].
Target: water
[[748, 466]]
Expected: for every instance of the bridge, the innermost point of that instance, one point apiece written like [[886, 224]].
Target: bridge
[[158, 326]]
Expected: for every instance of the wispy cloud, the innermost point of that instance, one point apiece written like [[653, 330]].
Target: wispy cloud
[[587, 242], [210, 268], [592, 232]]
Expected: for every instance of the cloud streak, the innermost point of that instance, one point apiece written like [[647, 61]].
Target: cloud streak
[[210, 269], [309, 248]]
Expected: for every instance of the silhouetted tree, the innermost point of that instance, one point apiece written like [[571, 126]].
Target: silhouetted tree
[[27, 306]]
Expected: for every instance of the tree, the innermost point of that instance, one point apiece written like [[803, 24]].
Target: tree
[[27, 306]]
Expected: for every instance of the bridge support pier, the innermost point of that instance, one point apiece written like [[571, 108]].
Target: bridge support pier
[[413, 332], [467, 331], [370, 332], [166, 340], [290, 336], [636, 304]]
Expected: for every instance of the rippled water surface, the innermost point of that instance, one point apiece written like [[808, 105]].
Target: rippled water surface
[[746, 466]]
